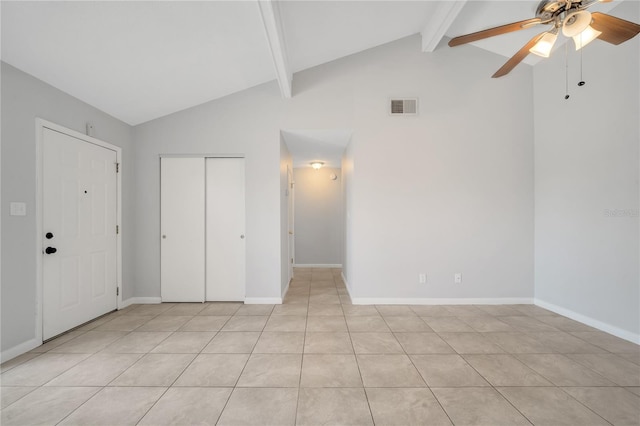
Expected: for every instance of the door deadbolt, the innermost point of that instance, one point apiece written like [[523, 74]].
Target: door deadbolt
[[48, 235]]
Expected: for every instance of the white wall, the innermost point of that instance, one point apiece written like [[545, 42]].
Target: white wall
[[286, 163], [586, 162], [319, 216], [448, 191], [23, 99]]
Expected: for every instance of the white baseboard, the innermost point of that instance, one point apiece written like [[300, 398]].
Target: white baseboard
[[607, 328], [263, 300], [17, 350], [318, 265], [441, 301], [285, 290], [140, 301], [347, 285]]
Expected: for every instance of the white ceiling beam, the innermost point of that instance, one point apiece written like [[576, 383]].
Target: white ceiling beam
[[270, 12], [439, 23]]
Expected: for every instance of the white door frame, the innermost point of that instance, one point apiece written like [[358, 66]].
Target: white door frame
[[40, 126], [291, 240]]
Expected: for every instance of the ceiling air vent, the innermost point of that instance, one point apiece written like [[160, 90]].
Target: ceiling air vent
[[407, 106]]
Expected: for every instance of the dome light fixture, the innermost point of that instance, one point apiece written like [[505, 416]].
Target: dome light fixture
[[317, 165]]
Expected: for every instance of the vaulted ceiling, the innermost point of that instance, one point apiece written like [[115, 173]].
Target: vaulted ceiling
[[142, 60]]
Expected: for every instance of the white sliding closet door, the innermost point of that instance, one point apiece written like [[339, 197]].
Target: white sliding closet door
[[182, 224], [225, 224]]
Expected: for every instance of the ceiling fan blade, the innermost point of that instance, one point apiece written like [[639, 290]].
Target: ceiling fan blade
[[517, 58], [503, 29], [614, 30]]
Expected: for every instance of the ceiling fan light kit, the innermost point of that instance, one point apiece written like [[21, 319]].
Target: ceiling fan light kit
[[586, 37], [545, 44], [570, 15]]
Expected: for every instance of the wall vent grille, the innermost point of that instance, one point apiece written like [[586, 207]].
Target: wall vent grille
[[407, 106]]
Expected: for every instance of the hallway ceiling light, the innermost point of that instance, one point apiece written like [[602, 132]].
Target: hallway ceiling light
[[317, 164]]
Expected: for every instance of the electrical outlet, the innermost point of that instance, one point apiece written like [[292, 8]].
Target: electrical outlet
[[422, 278], [457, 278]]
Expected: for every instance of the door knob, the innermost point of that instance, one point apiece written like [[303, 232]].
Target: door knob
[[48, 235], [50, 250], [242, 236]]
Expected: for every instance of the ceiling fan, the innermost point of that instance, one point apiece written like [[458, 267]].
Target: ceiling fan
[[571, 17]]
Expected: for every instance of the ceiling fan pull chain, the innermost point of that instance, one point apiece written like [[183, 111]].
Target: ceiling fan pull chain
[[566, 70], [581, 82]]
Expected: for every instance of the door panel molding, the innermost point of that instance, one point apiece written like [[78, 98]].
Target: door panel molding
[[40, 126]]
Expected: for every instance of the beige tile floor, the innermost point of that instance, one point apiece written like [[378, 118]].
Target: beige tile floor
[[318, 359]]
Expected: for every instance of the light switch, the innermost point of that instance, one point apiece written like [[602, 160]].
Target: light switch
[[18, 209]]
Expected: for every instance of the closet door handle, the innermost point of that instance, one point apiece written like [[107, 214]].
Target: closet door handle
[[242, 236]]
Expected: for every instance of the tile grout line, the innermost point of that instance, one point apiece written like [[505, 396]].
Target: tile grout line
[[304, 339], [177, 376], [497, 390], [355, 356], [420, 374]]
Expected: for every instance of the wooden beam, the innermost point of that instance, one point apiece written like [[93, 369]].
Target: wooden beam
[[270, 12], [439, 23]]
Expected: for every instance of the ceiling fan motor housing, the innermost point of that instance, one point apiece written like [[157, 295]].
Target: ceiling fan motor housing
[[576, 22], [547, 8]]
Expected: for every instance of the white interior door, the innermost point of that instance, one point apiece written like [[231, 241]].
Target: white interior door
[[225, 229], [79, 224], [290, 218], [182, 229]]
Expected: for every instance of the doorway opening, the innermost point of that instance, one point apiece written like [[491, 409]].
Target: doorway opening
[[315, 204]]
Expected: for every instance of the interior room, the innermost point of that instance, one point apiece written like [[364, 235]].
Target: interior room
[[320, 212]]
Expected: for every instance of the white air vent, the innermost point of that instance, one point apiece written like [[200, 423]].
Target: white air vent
[[407, 106]]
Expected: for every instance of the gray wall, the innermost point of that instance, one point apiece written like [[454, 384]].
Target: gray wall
[[23, 99], [242, 124], [347, 202], [586, 165], [286, 164], [448, 191], [318, 216]]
